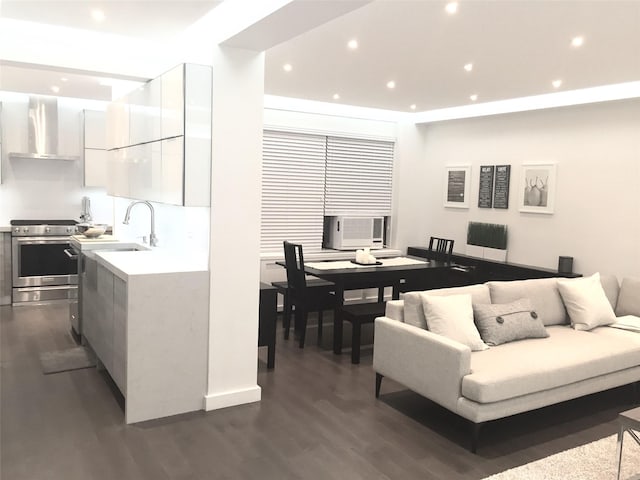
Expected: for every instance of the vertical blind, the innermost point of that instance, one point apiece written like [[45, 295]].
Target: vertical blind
[[358, 178], [306, 177], [293, 167]]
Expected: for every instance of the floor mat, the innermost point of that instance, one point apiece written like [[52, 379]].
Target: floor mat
[[73, 358]]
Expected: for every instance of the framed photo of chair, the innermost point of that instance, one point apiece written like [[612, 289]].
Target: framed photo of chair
[[537, 188]]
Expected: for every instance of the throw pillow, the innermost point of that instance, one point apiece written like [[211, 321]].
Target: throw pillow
[[452, 316], [500, 323], [629, 298], [586, 302]]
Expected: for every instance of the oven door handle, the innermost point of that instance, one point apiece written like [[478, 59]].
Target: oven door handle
[[70, 254]]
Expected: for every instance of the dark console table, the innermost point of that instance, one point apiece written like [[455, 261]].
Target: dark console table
[[267, 322], [468, 270]]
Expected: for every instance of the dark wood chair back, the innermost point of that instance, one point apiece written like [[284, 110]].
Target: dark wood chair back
[[294, 261], [440, 248]]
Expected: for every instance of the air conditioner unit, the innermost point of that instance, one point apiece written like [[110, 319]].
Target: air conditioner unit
[[350, 233]]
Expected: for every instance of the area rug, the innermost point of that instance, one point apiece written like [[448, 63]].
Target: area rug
[[593, 461], [73, 358]]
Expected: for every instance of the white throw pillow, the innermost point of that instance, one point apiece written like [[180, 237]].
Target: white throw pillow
[[586, 302], [629, 297], [452, 316]]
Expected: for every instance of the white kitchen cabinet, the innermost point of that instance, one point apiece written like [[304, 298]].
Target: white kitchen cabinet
[[119, 364], [95, 133], [94, 146], [96, 170], [118, 173], [172, 180], [159, 321], [168, 157], [1, 161], [173, 101], [118, 124], [144, 113]]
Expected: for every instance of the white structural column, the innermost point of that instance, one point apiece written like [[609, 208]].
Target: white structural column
[[238, 92]]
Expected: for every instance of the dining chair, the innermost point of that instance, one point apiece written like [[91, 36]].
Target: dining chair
[[303, 296], [440, 248]]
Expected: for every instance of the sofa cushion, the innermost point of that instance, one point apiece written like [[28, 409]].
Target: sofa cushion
[[452, 316], [611, 288], [506, 322], [533, 365], [629, 298], [543, 293], [586, 302], [414, 312]]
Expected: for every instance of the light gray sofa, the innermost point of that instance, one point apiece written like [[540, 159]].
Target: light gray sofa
[[512, 377]]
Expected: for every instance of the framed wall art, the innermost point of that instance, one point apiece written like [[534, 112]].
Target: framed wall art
[[485, 187], [501, 186], [457, 186], [537, 188]]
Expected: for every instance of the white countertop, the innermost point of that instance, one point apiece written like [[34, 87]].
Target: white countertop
[[5, 228], [82, 243], [125, 264]]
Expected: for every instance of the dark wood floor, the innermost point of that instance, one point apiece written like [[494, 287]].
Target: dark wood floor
[[318, 419]]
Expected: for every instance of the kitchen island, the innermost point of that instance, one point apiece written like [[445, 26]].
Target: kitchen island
[[149, 328]]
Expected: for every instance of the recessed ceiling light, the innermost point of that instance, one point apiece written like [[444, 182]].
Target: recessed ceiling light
[[556, 83], [64, 79], [353, 44], [413, 106], [577, 41], [468, 67], [55, 89], [391, 84], [451, 7], [473, 97], [336, 96], [287, 67], [98, 15]]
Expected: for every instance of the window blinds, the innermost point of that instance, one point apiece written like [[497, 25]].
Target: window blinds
[[293, 171], [358, 177], [306, 177]]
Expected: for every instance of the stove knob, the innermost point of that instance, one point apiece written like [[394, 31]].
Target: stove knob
[[47, 229], [17, 230], [25, 229]]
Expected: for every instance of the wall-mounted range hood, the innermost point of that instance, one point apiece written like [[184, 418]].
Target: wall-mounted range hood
[[43, 131]]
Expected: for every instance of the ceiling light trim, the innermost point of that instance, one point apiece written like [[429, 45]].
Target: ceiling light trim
[[606, 93], [328, 108]]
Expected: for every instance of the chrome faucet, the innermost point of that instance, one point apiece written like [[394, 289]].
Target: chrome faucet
[[153, 240]]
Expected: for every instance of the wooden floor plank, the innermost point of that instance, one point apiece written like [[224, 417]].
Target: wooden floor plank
[[318, 419]]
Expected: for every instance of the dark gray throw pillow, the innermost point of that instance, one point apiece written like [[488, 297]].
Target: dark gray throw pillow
[[500, 323]]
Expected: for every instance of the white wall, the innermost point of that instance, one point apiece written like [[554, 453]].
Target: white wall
[[39, 188], [597, 213]]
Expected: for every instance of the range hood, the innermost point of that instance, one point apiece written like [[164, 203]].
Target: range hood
[[43, 131]]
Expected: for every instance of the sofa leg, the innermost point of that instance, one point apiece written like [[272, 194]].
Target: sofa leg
[[475, 436], [378, 384]]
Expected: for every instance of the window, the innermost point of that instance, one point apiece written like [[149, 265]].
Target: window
[[306, 177]]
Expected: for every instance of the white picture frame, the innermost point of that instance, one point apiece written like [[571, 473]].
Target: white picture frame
[[537, 192], [457, 186]]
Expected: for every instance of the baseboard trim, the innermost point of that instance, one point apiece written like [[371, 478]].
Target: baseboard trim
[[230, 399]]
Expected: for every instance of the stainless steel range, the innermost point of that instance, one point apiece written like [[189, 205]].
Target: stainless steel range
[[44, 269]]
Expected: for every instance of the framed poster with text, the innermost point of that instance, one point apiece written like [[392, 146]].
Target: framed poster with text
[[501, 186], [485, 189], [457, 185]]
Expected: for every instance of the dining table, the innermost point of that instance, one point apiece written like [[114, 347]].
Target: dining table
[[386, 272]]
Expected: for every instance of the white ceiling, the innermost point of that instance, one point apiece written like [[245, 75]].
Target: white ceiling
[[517, 47]]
